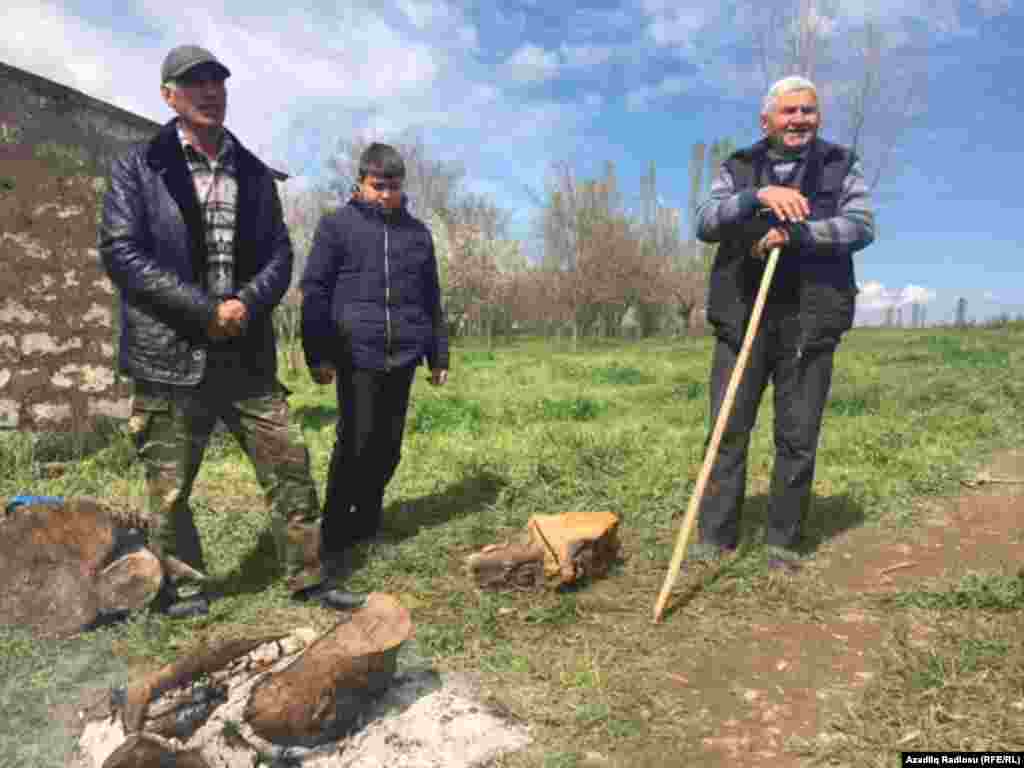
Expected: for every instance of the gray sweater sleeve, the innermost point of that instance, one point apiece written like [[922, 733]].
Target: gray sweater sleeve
[[725, 209], [853, 227]]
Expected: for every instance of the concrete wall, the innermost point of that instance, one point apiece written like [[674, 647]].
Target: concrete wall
[[58, 310]]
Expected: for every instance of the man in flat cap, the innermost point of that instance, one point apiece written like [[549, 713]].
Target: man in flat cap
[[193, 235]]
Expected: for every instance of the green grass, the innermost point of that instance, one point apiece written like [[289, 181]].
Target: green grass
[[976, 591], [41, 685], [63, 159], [446, 414], [571, 409], [530, 428], [618, 375]]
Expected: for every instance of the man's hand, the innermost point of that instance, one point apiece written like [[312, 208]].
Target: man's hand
[[776, 238], [322, 374], [439, 377], [229, 320], [788, 204]]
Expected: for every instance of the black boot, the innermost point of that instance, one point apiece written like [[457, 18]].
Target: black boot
[[331, 597], [171, 604]]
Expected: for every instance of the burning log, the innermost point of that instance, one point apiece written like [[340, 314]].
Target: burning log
[[333, 682], [510, 566]]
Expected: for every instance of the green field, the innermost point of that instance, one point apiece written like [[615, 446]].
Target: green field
[[532, 427]]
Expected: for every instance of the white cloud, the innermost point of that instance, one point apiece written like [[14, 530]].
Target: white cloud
[[304, 78], [645, 96], [586, 56], [874, 296], [532, 64], [875, 299], [677, 23], [421, 13], [82, 59], [991, 8], [443, 16]]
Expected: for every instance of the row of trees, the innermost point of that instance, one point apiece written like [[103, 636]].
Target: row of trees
[[606, 268]]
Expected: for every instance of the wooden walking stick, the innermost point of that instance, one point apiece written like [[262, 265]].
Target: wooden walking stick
[[716, 437]]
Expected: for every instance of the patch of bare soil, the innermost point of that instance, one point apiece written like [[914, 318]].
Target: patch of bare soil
[[775, 685]]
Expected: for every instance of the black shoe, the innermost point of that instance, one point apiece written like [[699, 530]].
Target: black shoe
[[331, 597], [336, 566], [172, 605]]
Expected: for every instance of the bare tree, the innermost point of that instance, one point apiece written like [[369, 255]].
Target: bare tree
[[720, 151], [869, 97], [697, 155], [303, 209], [431, 184]]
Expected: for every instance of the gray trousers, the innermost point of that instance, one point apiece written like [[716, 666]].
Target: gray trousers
[[801, 385]]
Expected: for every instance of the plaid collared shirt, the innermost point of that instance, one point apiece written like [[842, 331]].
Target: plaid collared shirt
[[216, 186]]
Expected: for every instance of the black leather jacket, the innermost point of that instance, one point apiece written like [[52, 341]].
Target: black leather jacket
[[152, 242]]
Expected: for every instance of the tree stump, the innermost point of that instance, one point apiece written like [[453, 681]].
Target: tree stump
[[334, 681], [50, 555], [129, 583], [510, 566], [576, 545]]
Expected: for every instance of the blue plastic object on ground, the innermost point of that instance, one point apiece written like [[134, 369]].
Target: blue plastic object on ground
[[17, 501]]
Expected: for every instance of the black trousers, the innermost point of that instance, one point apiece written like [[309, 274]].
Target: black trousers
[[801, 386], [372, 407]]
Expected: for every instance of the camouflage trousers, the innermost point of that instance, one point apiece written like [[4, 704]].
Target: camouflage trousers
[[171, 427]]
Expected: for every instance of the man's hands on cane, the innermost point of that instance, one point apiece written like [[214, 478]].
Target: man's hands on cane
[[787, 206], [777, 237], [439, 376]]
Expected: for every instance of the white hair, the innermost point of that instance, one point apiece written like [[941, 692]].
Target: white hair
[[784, 86]]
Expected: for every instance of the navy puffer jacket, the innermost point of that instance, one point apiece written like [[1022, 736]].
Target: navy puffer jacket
[[370, 292]]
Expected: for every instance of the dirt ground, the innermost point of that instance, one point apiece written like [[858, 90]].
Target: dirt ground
[[777, 682], [771, 680]]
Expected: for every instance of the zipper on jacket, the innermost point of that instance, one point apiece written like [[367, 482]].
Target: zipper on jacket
[[387, 303]]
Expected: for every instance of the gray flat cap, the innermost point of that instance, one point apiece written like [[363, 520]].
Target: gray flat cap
[[181, 59]]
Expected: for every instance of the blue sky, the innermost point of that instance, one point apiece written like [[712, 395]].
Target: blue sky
[[508, 88]]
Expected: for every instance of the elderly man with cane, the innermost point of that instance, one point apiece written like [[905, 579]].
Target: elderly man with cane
[[807, 197]]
